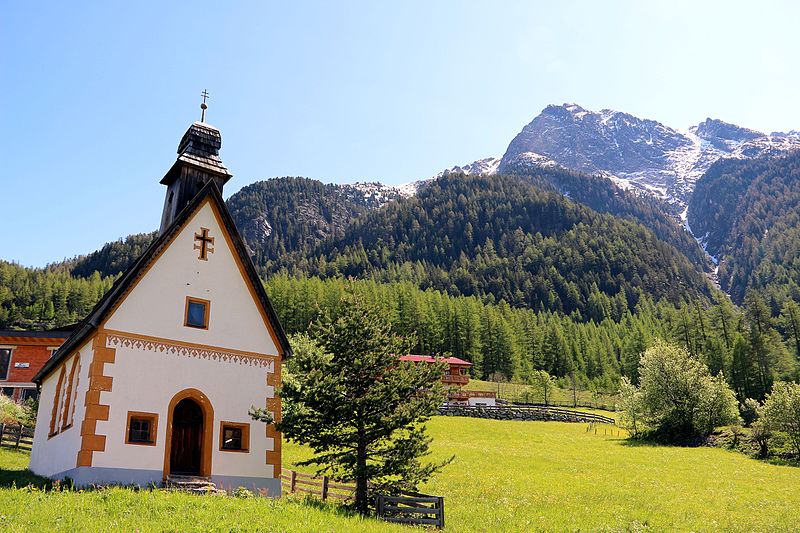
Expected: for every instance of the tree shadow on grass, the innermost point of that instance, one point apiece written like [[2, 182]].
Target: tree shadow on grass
[[782, 458], [341, 509], [22, 477]]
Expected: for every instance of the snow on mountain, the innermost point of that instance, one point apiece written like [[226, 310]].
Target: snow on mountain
[[481, 166], [635, 153], [375, 193]]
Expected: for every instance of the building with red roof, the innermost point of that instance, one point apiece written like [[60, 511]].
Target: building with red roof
[[22, 355], [455, 377]]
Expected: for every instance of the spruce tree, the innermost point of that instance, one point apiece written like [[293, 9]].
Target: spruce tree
[[359, 408]]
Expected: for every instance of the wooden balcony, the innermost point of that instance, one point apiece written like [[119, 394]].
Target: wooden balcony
[[455, 379], [465, 394]]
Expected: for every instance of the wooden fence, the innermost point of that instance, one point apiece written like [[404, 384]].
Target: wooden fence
[[321, 486], [19, 437], [411, 508], [408, 508]]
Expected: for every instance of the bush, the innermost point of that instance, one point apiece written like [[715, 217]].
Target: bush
[[12, 412], [781, 411], [749, 411], [761, 435], [630, 408], [677, 398], [242, 492]]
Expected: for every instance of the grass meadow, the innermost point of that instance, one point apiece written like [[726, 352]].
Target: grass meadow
[[559, 397], [507, 476]]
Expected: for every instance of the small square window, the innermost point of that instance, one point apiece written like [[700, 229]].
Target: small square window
[[234, 437], [197, 312], [141, 428], [29, 394]]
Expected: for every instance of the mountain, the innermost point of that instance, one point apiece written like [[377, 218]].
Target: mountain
[[289, 214], [747, 214], [487, 165], [604, 196], [614, 163], [633, 152], [501, 237]]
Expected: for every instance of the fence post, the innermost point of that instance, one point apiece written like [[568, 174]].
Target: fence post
[[441, 512], [380, 506], [293, 480], [19, 435], [2, 430], [324, 488]]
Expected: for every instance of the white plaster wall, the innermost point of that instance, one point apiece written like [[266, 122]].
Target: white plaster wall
[[156, 305], [147, 380], [51, 456], [481, 401]]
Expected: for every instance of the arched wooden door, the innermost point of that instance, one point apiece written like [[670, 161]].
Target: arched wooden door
[[190, 419], [187, 439]]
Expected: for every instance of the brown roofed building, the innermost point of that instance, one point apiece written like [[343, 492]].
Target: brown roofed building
[[455, 377]]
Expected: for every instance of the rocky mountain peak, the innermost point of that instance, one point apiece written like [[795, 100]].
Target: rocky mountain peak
[[724, 135], [634, 152]]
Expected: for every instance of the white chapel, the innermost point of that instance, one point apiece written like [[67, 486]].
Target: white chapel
[[156, 382]]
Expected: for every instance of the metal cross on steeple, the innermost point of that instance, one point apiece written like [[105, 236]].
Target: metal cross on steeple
[[203, 106]]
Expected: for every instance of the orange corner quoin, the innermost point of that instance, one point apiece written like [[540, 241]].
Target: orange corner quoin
[[274, 406], [161, 374], [98, 382]]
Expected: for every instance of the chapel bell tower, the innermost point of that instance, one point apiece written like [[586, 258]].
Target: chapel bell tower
[[198, 163]]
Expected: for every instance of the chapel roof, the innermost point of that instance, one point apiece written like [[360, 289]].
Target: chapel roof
[[124, 283]]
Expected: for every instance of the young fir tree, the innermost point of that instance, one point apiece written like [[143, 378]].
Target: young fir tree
[[359, 408]]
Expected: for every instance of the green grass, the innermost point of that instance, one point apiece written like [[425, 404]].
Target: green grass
[[560, 397], [124, 509], [507, 476]]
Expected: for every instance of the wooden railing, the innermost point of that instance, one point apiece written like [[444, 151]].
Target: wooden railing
[[461, 393], [455, 378], [408, 508], [321, 486], [411, 508], [19, 437]]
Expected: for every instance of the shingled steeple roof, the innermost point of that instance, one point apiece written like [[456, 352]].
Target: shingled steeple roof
[[199, 147], [198, 163]]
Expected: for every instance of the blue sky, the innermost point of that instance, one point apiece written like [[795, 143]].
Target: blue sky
[[95, 96]]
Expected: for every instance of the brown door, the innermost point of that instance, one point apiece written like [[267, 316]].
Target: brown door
[[187, 438]]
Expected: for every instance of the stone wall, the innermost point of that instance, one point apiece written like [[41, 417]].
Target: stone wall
[[512, 412]]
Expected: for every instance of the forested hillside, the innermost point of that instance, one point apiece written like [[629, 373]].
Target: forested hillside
[[294, 214], [547, 270], [502, 238], [747, 346], [112, 259], [748, 213], [604, 196], [43, 298]]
